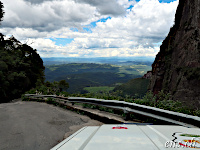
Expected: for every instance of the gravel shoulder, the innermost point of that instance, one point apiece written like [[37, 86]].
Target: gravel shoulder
[[37, 126]]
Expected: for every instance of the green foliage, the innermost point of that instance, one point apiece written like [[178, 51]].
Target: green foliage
[[148, 99], [63, 85], [24, 98], [135, 87], [20, 68], [49, 88], [50, 101], [99, 95], [162, 100]]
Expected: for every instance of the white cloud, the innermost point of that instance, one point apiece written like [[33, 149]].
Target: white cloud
[[106, 7], [126, 3], [135, 33], [46, 16], [23, 33], [148, 19]]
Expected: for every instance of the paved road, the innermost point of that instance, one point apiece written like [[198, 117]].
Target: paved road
[[37, 126]]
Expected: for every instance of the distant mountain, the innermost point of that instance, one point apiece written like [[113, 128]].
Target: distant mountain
[[101, 60]]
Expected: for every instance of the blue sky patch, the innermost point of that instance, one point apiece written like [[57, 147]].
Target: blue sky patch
[[130, 7], [87, 29], [61, 41], [74, 29], [157, 44], [94, 24]]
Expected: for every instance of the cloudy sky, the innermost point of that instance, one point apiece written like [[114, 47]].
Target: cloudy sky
[[90, 28]]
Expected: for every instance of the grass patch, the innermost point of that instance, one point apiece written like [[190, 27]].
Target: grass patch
[[99, 89], [135, 69]]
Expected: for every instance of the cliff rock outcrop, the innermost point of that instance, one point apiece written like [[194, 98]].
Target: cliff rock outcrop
[[176, 68]]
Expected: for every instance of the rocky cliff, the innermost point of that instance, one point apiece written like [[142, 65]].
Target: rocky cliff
[[176, 68]]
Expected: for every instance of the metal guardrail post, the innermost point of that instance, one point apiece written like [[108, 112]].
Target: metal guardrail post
[[127, 114]]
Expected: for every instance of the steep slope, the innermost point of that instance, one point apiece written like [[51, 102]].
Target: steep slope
[[176, 68]]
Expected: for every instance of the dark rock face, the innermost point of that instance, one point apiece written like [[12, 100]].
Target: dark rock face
[[176, 68]]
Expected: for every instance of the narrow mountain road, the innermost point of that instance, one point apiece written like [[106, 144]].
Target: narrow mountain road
[[37, 126]]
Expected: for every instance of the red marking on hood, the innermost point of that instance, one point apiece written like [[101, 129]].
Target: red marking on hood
[[119, 128]]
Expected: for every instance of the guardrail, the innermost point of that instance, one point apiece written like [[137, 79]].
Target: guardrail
[[152, 112]]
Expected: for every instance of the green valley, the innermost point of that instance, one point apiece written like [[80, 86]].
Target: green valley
[[90, 77]]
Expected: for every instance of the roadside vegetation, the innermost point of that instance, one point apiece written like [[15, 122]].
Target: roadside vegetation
[[161, 100]]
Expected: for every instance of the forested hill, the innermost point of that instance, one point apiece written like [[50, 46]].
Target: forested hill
[[82, 75], [21, 68]]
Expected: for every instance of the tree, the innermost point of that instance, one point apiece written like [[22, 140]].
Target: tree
[[63, 85], [48, 84], [21, 69]]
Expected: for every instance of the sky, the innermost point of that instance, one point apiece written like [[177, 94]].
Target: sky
[[90, 28]]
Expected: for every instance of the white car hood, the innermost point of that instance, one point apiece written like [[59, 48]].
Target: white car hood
[[132, 137]]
